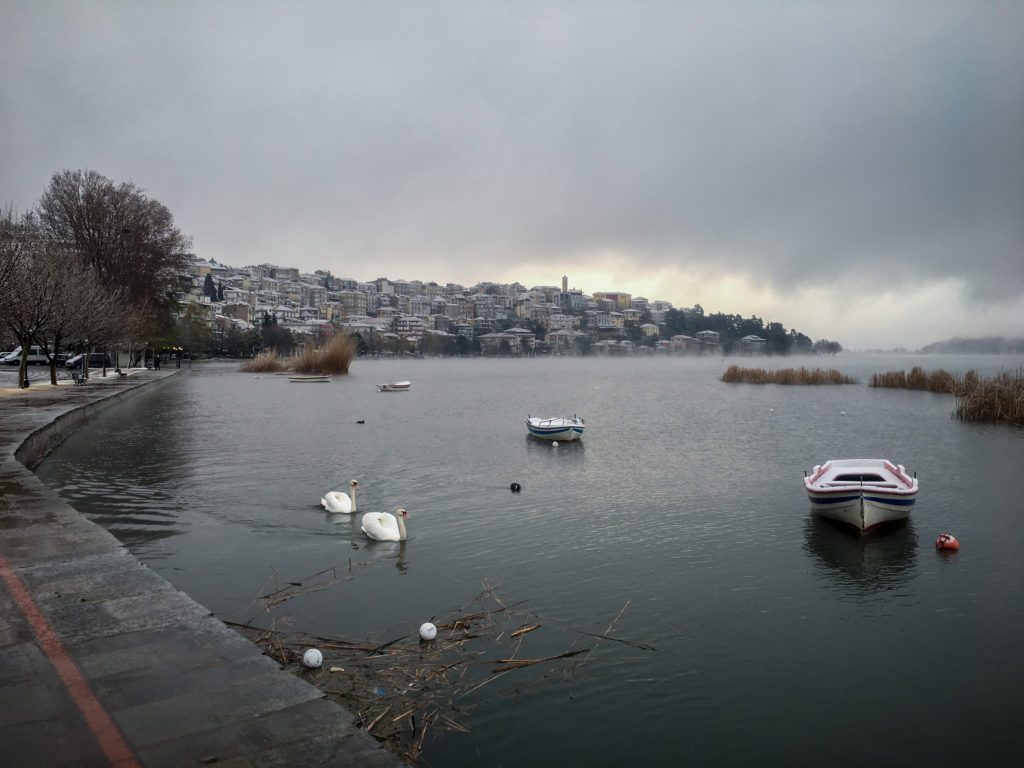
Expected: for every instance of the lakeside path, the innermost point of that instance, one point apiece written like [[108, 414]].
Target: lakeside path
[[102, 661]]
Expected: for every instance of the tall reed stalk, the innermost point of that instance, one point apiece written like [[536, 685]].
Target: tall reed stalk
[[264, 362], [333, 358], [940, 381], [998, 399]]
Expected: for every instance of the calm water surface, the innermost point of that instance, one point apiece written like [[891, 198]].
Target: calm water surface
[[780, 640]]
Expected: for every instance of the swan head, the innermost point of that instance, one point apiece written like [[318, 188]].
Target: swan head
[[402, 513], [353, 483]]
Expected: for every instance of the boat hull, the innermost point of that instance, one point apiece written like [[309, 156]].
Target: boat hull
[[555, 429], [864, 511], [862, 493], [394, 386]]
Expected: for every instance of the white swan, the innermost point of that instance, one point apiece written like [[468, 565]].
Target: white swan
[[337, 501], [383, 526]]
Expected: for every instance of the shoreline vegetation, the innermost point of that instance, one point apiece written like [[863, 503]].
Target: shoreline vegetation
[[333, 358], [998, 399], [734, 374]]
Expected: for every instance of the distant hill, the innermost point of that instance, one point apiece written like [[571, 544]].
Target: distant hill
[[988, 345]]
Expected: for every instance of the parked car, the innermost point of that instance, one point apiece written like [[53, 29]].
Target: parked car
[[96, 360], [36, 356]]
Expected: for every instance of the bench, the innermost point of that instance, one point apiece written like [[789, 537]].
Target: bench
[[78, 377]]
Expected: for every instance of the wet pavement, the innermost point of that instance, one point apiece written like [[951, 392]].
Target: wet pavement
[[102, 661]]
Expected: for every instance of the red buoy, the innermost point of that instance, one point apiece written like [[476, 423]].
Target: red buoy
[[948, 542]]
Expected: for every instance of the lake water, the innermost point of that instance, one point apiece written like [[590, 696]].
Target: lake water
[[780, 640]]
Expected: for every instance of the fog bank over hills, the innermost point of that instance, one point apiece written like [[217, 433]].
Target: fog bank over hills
[[987, 345]]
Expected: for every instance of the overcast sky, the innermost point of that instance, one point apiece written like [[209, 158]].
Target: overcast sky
[[854, 170]]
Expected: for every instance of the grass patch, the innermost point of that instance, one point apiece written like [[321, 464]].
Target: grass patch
[[804, 376], [333, 358], [998, 399], [264, 362], [939, 381]]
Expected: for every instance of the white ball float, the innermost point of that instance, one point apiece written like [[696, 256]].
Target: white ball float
[[428, 631], [554, 444], [312, 659]]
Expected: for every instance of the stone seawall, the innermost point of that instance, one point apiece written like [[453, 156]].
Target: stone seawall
[[104, 662]]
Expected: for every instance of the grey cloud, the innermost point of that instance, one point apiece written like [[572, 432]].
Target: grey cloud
[[801, 142]]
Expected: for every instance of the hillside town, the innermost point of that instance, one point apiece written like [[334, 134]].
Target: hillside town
[[399, 316]]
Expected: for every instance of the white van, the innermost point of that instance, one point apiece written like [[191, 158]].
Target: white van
[[36, 356]]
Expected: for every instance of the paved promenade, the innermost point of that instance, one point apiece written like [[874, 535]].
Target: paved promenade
[[102, 661]]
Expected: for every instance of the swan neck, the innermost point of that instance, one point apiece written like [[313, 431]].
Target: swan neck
[[352, 495], [401, 528]]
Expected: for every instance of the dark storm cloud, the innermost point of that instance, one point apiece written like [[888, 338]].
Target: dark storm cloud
[[802, 142]]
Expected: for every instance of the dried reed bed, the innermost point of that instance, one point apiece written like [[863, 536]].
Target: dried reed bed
[[264, 362], [940, 381], [998, 399], [401, 689], [333, 358], [736, 375]]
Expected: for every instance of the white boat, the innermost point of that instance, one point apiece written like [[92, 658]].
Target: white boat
[[555, 428], [310, 379], [864, 493], [394, 386]]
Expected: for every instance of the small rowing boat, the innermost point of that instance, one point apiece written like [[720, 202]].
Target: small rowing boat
[[555, 428], [864, 493], [394, 386], [309, 379]]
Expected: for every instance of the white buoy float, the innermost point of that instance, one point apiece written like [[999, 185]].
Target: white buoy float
[[554, 444], [312, 659], [428, 631]]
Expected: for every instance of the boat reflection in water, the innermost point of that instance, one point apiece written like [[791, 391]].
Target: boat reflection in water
[[863, 564]]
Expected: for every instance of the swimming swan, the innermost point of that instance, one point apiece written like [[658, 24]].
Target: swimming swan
[[336, 501], [383, 526]]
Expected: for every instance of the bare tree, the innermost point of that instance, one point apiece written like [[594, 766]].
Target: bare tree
[[128, 239], [33, 278], [12, 249], [78, 297]]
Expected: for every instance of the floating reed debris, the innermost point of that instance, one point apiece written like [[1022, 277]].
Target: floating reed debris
[[736, 375], [399, 689], [940, 381], [264, 362], [998, 399]]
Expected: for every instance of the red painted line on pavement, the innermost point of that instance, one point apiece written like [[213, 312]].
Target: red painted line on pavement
[[99, 722]]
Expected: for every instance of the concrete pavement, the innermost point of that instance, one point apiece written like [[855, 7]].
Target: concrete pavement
[[102, 661]]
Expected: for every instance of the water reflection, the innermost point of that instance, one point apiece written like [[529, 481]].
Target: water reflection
[[374, 552], [565, 449], [882, 560]]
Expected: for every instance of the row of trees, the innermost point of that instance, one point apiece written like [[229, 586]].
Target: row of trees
[[93, 266], [732, 328]]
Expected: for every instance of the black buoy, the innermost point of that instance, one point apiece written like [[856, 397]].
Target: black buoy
[[360, 421], [516, 487]]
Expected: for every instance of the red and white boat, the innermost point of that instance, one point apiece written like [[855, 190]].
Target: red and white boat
[[864, 493]]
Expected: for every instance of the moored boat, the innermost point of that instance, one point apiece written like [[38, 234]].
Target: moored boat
[[555, 428], [394, 386], [309, 379], [863, 493]]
